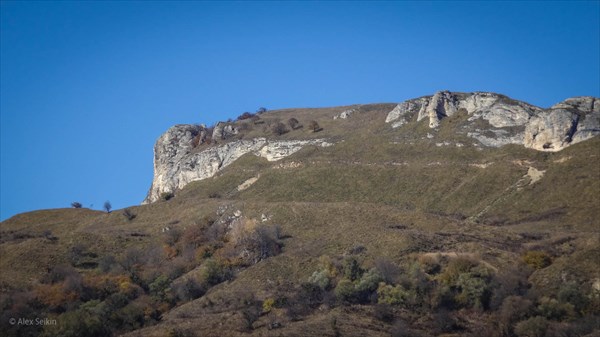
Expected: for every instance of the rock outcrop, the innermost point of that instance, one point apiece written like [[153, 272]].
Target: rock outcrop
[[492, 120], [345, 114], [568, 122], [510, 121], [176, 164]]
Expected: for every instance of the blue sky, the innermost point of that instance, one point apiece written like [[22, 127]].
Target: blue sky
[[87, 87]]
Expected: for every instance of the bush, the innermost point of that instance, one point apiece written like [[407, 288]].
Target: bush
[[167, 196], [159, 288], [393, 295], [388, 270], [352, 270], [245, 115], [294, 123], [279, 129], [268, 305], [314, 126], [321, 279], [513, 309], [537, 259], [213, 272], [384, 313], [188, 290], [345, 291], [128, 214], [261, 110], [552, 309], [533, 327], [571, 293], [76, 204]]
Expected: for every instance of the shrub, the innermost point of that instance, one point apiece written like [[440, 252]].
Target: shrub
[[388, 270], [383, 312], [537, 259], [321, 279], [261, 110], [393, 295], [571, 293], [268, 305], [474, 291], [245, 115], [294, 123], [345, 291], [167, 196], [76, 204], [279, 129], [213, 273], [314, 126], [107, 206], [368, 284], [513, 309], [352, 270], [188, 290], [552, 309], [128, 214], [533, 327], [160, 289], [85, 321]]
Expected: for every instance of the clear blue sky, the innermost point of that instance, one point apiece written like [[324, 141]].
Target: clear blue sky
[[87, 87]]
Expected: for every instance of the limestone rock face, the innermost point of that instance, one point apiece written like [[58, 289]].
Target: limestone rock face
[[568, 122], [345, 114], [176, 165], [223, 131], [510, 121]]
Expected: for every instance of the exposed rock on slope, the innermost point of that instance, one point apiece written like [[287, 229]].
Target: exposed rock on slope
[[493, 120], [510, 121], [176, 165], [569, 122]]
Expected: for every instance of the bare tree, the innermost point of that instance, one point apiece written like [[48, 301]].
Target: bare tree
[[76, 204], [107, 206]]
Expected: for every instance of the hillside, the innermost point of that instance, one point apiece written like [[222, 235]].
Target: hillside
[[453, 214]]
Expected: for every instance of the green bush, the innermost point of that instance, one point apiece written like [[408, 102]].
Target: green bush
[[571, 293], [352, 270], [393, 295], [552, 309], [320, 278], [345, 291], [160, 288]]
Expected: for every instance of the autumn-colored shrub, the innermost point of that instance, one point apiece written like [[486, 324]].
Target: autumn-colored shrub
[[537, 259]]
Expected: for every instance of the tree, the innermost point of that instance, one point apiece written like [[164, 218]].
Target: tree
[[279, 129], [76, 204], [314, 126], [107, 206], [261, 110], [293, 123], [245, 115]]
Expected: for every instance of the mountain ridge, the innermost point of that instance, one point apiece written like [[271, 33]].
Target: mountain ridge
[[493, 120]]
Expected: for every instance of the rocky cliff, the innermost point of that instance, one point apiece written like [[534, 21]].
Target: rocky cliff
[[491, 120], [508, 121], [176, 164]]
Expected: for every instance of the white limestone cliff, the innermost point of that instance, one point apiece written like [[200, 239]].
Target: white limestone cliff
[[176, 164], [510, 121]]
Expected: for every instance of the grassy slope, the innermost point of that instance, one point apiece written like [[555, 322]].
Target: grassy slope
[[392, 191]]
